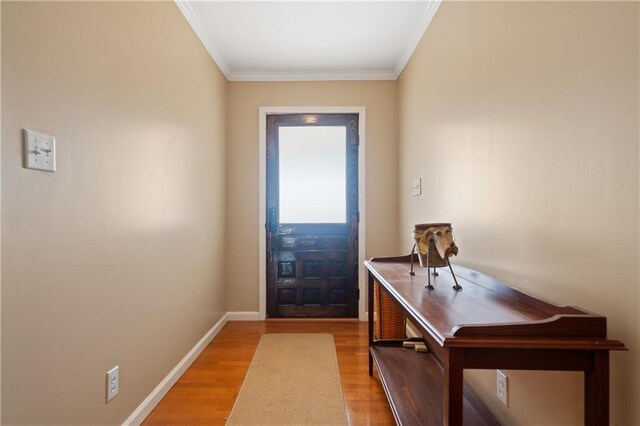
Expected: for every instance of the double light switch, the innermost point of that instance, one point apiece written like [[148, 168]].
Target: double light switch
[[39, 151]]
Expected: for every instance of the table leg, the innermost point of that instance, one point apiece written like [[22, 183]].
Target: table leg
[[453, 387], [596, 390]]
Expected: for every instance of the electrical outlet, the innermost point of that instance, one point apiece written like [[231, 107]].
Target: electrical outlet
[[39, 151], [502, 385], [113, 383]]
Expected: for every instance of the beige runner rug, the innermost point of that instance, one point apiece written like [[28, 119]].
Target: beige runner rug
[[293, 380]]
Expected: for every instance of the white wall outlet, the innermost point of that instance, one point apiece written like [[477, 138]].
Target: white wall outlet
[[113, 383], [502, 387], [416, 187], [39, 151]]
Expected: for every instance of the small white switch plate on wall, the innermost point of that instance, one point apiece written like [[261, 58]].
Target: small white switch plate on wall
[[39, 151], [113, 383], [502, 386], [416, 187]]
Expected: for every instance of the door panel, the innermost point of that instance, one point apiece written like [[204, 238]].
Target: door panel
[[312, 215]]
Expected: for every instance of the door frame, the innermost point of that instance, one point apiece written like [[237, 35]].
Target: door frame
[[263, 111]]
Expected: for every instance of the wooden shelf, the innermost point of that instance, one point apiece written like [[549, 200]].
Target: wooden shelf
[[413, 382], [487, 325]]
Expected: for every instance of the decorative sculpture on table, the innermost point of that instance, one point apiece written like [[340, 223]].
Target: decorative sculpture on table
[[435, 245]]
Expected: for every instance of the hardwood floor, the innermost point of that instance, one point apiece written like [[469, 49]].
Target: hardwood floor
[[207, 391]]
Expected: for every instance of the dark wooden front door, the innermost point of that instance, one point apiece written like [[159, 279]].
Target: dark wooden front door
[[312, 215]]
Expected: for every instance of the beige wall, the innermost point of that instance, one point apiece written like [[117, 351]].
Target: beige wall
[[522, 120], [244, 99], [118, 257]]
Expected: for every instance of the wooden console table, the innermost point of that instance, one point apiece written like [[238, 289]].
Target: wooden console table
[[487, 325]]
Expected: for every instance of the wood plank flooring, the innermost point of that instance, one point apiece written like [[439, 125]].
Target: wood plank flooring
[[207, 391]]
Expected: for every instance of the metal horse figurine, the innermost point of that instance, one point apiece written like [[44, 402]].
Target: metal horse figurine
[[435, 245]]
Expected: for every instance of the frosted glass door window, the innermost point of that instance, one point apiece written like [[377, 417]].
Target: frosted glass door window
[[312, 174]]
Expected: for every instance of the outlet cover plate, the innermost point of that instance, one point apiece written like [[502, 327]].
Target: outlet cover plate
[[502, 387], [39, 151], [113, 383]]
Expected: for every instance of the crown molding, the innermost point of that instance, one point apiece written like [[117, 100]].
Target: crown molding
[[311, 76], [200, 31], [427, 17], [197, 26]]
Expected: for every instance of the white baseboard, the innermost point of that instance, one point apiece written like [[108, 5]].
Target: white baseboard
[[150, 402], [244, 316]]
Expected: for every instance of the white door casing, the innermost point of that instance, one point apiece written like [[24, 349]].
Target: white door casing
[[262, 187]]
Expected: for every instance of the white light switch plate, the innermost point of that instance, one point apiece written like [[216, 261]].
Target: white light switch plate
[[39, 151], [416, 187]]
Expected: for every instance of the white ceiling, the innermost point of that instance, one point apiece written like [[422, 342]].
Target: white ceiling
[[309, 40]]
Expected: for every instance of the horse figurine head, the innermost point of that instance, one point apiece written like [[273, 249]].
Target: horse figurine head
[[441, 239], [444, 241]]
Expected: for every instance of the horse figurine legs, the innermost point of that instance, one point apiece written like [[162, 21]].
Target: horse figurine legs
[[429, 286], [412, 251], [456, 287]]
